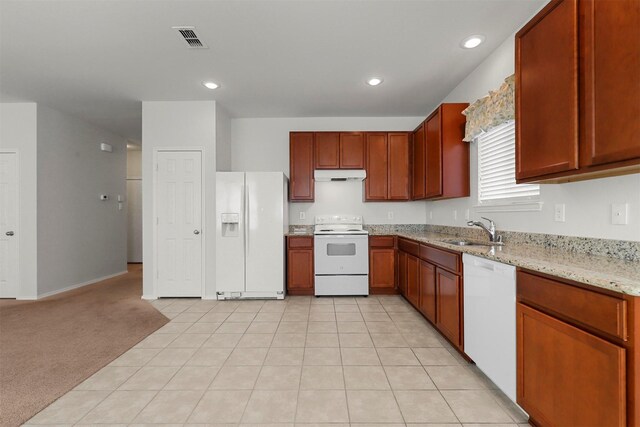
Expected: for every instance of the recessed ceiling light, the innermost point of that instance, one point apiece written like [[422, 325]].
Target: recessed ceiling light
[[211, 85], [472, 41], [374, 81]]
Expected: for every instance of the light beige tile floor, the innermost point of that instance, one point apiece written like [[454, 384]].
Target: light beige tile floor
[[303, 361]]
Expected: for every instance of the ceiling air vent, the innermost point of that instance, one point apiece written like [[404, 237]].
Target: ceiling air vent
[[188, 34]]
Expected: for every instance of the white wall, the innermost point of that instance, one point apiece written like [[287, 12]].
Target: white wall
[[189, 124], [18, 130], [80, 238], [588, 203], [134, 204], [262, 144], [223, 139]]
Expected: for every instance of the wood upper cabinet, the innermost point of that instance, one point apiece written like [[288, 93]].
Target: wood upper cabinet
[[449, 305], [301, 166], [387, 165], [566, 376], [427, 294], [339, 150], [419, 164], [577, 91], [433, 156], [377, 165], [610, 89], [447, 155], [382, 264], [300, 274], [413, 280], [399, 167], [547, 92], [327, 150], [352, 150]]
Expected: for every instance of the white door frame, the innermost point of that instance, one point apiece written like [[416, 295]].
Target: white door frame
[[203, 228], [18, 228]]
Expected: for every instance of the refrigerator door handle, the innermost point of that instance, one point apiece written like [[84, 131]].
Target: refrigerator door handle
[[246, 219]]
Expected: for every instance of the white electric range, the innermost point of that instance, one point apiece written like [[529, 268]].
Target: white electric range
[[341, 255]]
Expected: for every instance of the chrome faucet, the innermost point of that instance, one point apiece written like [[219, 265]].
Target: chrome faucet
[[491, 230]]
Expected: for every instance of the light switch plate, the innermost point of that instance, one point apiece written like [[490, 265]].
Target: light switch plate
[[619, 213], [303, 215], [390, 215], [559, 213]]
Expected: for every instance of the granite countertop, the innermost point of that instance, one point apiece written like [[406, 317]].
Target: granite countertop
[[607, 272], [600, 271]]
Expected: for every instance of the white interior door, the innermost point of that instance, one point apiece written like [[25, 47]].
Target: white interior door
[[8, 225], [134, 220], [179, 223], [265, 238]]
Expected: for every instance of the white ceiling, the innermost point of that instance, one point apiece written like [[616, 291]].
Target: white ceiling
[[99, 59]]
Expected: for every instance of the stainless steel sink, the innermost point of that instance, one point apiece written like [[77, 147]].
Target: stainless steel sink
[[472, 243]]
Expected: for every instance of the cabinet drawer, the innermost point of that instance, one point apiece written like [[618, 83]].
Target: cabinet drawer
[[445, 259], [601, 312], [409, 247], [300, 242], [381, 241]]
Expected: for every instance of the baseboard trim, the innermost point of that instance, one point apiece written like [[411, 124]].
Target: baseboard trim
[[79, 285], [148, 297]]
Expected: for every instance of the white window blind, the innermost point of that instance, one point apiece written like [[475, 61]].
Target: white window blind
[[497, 168]]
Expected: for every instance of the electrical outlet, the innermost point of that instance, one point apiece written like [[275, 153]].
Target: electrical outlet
[[390, 215], [455, 214], [303, 215], [558, 215], [430, 214], [619, 213], [467, 215]]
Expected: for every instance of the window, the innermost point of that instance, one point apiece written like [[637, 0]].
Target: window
[[497, 170]]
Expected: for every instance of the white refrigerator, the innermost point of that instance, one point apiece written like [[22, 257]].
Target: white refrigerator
[[251, 223]]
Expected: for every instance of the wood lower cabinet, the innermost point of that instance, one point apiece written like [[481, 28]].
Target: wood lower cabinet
[[568, 377], [413, 280], [327, 150], [402, 272], [427, 294], [382, 265], [300, 274], [578, 354], [577, 91], [352, 150], [301, 166], [430, 279], [449, 305]]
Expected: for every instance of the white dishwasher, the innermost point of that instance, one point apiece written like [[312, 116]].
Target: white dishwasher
[[490, 319]]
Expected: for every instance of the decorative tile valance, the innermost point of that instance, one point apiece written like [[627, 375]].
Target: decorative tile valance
[[490, 111]]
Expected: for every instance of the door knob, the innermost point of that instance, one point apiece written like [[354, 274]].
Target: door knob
[[196, 231], [9, 233]]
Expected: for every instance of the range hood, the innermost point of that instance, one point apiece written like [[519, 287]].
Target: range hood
[[326, 175]]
